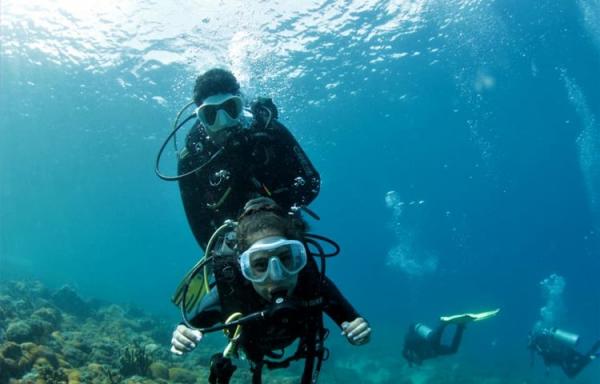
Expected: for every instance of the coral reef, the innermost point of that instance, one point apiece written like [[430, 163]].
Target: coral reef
[[58, 337], [45, 339], [135, 361], [69, 301]]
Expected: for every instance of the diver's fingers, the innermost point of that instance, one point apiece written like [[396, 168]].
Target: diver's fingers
[[364, 336], [345, 326], [183, 338], [358, 328], [178, 348], [176, 351], [349, 327], [192, 334]]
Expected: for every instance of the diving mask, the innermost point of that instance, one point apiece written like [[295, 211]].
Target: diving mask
[[273, 257], [220, 111]]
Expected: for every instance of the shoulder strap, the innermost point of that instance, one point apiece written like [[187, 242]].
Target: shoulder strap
[[234, 290]]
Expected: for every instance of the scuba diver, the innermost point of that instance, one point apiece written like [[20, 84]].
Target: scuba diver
[[422, 342], [233, 154], [557, 347], [266, 290]]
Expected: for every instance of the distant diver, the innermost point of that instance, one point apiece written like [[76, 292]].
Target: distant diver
[[422, 343], [557, 347]]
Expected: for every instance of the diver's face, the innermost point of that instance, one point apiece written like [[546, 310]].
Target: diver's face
[[219, 113], [270, 289]]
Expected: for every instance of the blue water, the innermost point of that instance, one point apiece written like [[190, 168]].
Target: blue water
[[483, 114]]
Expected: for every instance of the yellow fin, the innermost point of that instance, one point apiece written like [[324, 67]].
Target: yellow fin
[[466, 317]]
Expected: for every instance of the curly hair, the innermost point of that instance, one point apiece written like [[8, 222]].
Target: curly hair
[[263, 215], [215, 81]]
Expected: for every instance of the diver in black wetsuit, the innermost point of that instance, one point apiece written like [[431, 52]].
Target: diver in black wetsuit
[[557, 347], [274, 280], [422, 342], [229, 158]]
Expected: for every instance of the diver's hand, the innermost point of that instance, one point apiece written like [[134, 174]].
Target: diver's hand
[[184, 339], [357, 332], [264, 110]]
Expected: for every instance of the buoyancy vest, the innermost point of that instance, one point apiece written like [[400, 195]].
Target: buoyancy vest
[[260, 341]]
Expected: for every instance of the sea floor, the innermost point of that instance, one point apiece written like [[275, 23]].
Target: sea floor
[[55, 336]]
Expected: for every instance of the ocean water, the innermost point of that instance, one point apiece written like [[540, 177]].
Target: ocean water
[[458, 144]]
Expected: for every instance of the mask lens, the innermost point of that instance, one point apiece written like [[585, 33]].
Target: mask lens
[[286, 258], [289, 256], [259, 264], [231, 106], [210, 114]]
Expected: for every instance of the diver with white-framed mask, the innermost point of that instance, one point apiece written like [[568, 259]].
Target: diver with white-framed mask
[[266, 294], [234, 153]]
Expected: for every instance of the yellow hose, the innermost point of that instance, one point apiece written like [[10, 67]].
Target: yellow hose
[[231, 348]]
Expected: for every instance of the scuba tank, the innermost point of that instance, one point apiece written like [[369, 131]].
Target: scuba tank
[[564, 337], [423, 331]]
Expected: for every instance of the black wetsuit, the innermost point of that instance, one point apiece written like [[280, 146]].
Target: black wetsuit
[[554, 352], [264, 340], [335, 305], [253, 162], [418, 347]]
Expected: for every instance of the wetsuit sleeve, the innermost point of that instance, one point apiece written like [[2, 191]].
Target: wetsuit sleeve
[[335, 304], [208, 312]]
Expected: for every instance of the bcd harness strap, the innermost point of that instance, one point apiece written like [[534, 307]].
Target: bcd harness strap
[[311, 346]]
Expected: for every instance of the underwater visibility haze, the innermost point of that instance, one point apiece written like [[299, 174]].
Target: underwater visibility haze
[[458, 144]]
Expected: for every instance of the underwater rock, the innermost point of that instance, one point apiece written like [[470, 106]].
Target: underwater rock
[[98, 370], [42, 355], [74, 376], [50, 375], [32, 330], [57, 339], [49, 315], [42, 329], [104, 351], [151, 348], [181, 375], [10, 354], [76, 357], [69, 301], [93, 373], [42, 362], [159, 370], [19, 331], [7, 309], [109, 313], [22, 307], [33, 352], [16, 360], [11, 350]]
